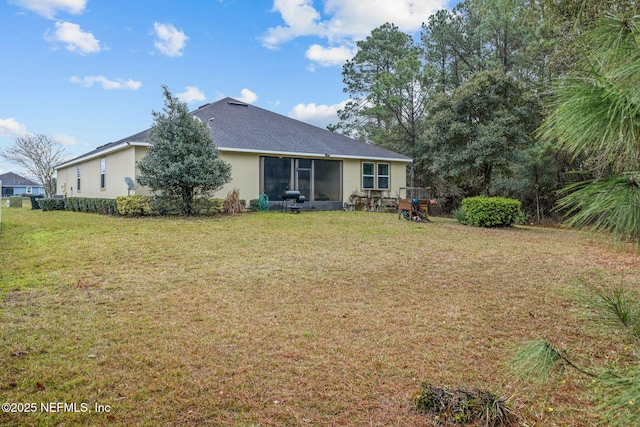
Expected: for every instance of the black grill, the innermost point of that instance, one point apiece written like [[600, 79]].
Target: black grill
[[292, 200]]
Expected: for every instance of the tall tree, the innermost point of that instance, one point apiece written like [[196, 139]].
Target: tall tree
[[387, 87], [596, 113], [479, 131], [182, 162], [39, 155], [448, 49]]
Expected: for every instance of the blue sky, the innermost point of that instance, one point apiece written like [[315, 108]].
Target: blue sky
[[88, 72]]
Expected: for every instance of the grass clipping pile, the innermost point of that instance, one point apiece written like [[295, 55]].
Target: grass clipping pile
[[464, 406]]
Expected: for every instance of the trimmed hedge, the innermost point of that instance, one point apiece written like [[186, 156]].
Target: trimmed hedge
[[80, 204], [135, 205], [484, 211], [51, 204], [204, 206], [91, 205]]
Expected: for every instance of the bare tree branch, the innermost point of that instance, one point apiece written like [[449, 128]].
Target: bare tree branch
[[39, 155]]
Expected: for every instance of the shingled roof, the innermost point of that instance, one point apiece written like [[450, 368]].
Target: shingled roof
[[237, 126], [11, 179]]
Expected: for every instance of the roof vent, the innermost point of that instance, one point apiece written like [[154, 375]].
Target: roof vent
[[202, 106], [238, 103]]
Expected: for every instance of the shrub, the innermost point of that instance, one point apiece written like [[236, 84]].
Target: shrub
[[80, 204], [460, 216], [483, 211], [135, 205], [50, 204], [206, 206]]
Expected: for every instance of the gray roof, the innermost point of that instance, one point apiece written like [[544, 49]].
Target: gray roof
[[11, 179], [237, 126]]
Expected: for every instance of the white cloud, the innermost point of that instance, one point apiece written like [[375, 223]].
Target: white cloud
[[300, 18], [170, 41], [107, 84], [319, 115], [191, 94], [68, 141], [329, 56], [49, 8], [247, 96], [10, 127], [357, 19], [343, 22], [74, 39]]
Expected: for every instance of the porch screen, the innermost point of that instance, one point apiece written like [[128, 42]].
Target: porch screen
[[277, 176], [326, 180]]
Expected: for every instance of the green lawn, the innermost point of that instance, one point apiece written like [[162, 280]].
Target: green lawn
[[274, 319]]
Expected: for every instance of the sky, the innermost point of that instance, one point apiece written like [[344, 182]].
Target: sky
[[90, 72]]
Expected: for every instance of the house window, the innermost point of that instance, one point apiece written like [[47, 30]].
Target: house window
[[383, 176], [368, 176], [375, 176], [79, 172], [103, 172], [29, 190]]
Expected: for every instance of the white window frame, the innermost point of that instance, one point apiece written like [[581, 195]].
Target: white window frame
[[376, 176], [379, 175], [103, 173], [373, 177]]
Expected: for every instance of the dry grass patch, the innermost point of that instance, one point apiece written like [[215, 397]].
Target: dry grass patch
[[272, 319]]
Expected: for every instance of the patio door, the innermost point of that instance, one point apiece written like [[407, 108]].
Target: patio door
[[303, 178]]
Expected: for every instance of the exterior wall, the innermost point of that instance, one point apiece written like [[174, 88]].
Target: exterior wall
[[245, 175], [143, 191], [352, 177], [398, 177], [118, 165]]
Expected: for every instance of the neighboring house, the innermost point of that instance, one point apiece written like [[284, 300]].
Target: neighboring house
[[268, 152], [16, 185]]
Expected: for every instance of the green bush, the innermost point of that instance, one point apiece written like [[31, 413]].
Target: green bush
[[80, 204], [135, 205], [90, 205], [204, 206], [460, 216], [483, 211], [50, 204]]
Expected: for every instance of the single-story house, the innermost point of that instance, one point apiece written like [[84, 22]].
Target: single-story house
[[268, 152], [16, 185]]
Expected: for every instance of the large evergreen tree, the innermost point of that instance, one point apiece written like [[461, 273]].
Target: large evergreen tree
[[479, 130], [388, 88], [182, 162]]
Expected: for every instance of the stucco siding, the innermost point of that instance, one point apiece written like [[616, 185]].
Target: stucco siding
[[352, 177], [245, 175], [117, 165]]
